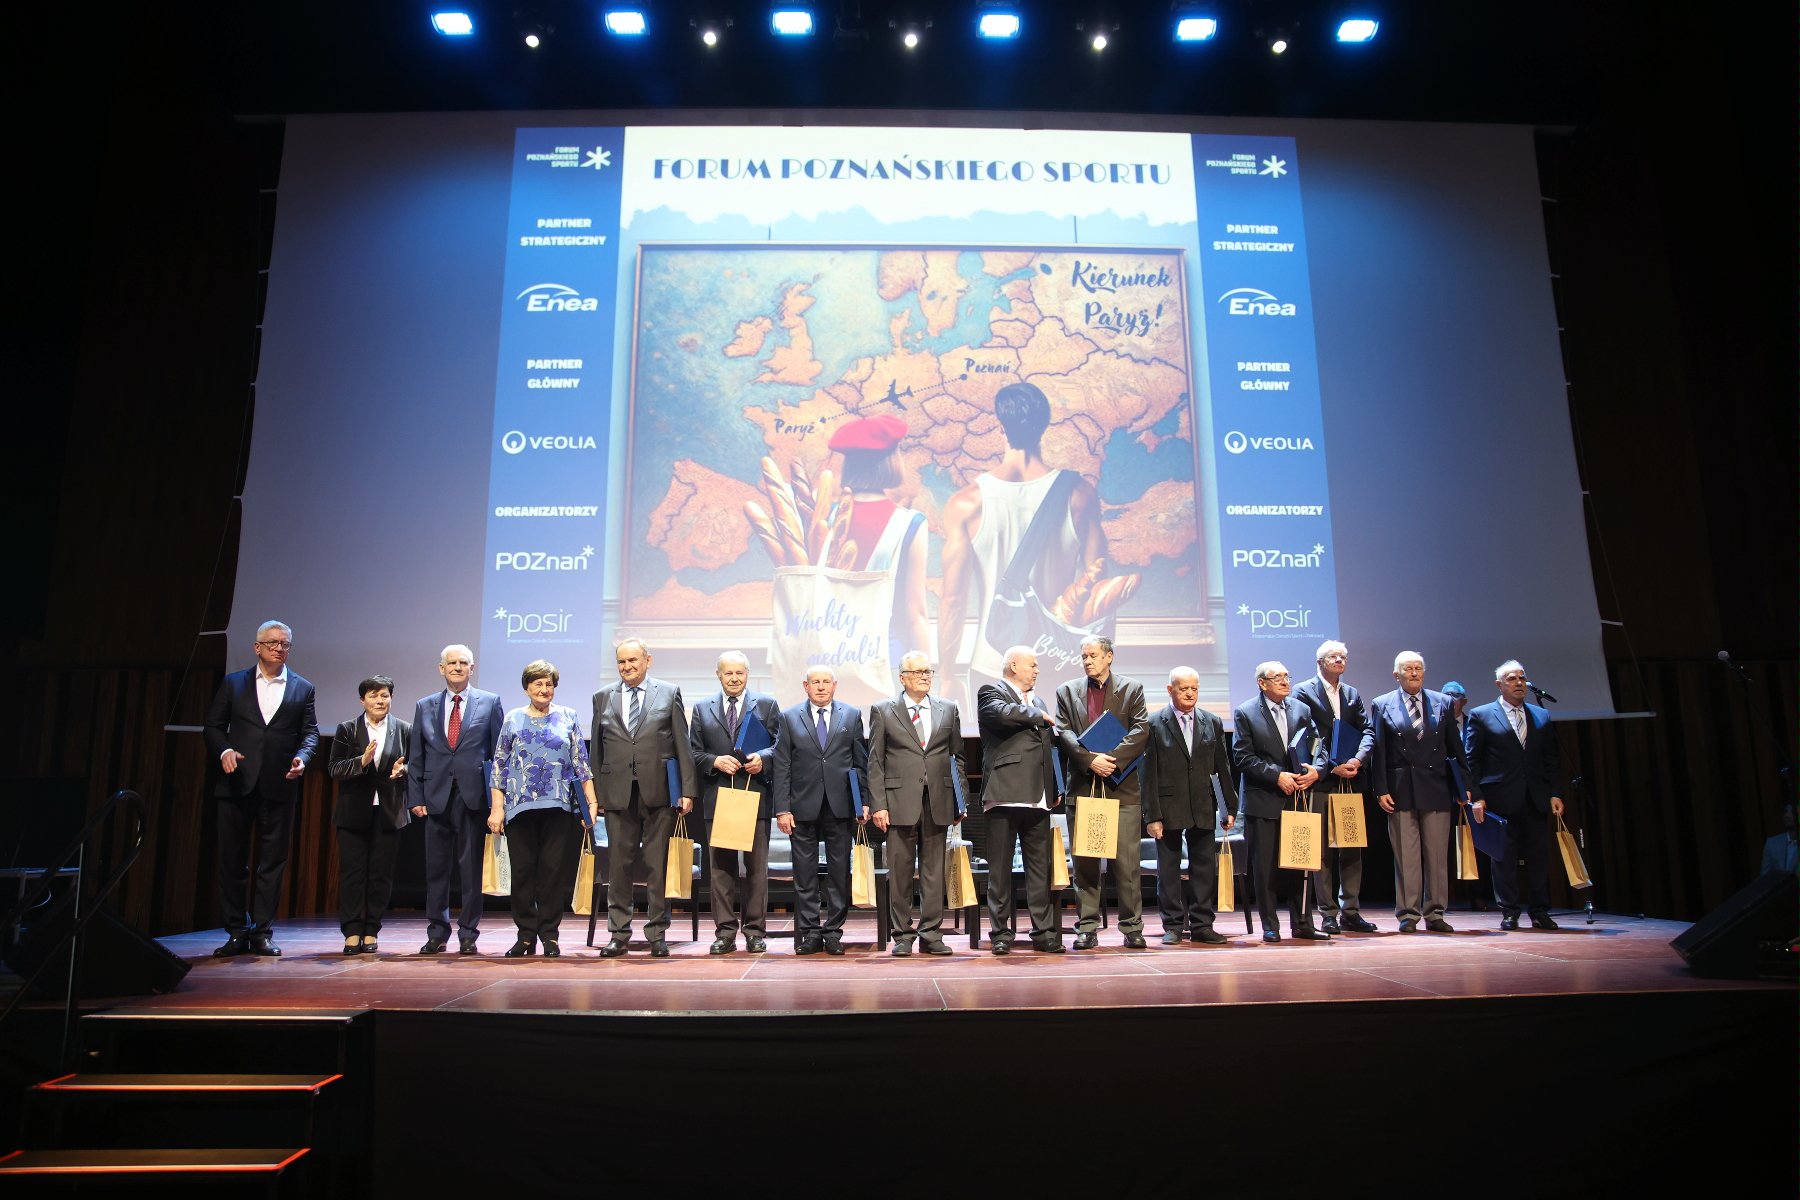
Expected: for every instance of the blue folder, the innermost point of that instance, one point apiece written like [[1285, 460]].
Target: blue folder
[[1062, 784], [752, 737], [856, 800], [961, 787], [1490, 835], [673, 770], [1338, 754], [1103, 737]]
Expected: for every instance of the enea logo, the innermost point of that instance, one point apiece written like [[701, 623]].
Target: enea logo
[[1254, 302], [514, 442], [555, 297], [539, 560], [1237, 443], [1271, 559], [1272, 621], [533, 625]]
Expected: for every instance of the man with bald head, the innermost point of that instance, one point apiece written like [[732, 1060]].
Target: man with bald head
[[818, 747], [1018, 753], [454, 734], [714, 737], [1185, 757], [1277, 750]]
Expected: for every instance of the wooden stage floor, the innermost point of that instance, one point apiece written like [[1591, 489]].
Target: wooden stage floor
[[1616, 955]]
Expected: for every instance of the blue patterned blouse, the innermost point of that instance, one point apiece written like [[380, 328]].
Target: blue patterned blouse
[[541, 762]]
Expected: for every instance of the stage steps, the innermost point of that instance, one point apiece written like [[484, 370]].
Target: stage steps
[[247, 1102]]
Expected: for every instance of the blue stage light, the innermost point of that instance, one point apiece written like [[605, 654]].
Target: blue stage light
[[1195, 29], [452, 23], [791, 22], [1358, 29], [626, 22], [998, 24]]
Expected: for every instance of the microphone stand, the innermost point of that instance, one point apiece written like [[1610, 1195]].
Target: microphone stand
[[1581, 838]]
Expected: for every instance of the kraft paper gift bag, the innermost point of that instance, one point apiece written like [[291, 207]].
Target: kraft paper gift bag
[[1302, 840], [734, 816], [1227, 879], [1348, 829], [1096, 830], [1571, 856], [678, 880], [959, 878], [1059, 860], [1467, 865], [496, 866], [862, 871], [583, 900]]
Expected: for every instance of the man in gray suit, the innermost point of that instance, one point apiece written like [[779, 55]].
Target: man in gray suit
[[819, 748], [1333, 702], [639, 727], [1185, 751], [1079, 703], [1276, 748], [714, 737], [914, 744], [1018, 790]]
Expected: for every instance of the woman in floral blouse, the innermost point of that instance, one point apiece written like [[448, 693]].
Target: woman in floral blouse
[[539, 762]]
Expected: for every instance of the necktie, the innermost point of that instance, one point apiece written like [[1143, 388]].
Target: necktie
[[918, 729], [819, 719], [637, 710], [455, 731], [1518, 724], [1280, 715], [1418, 717], [731, 718], [1187, 730]]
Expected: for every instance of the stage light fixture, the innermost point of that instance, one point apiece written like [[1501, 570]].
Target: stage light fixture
[[533, 41], [910, 40], [1099, 42], [709, 36], [1196, 29], [791, 22], [626, 22], [1357, 29], [1278, 45], [998, 23], [451, 23]]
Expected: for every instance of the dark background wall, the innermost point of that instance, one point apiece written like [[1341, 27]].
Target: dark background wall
[[146, 201]]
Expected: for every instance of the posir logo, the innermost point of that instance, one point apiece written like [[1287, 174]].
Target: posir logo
[[514, 442], [539, 560], [1271, 559], [1254, 302], [1271, 621], [1237, 443], [533, 626], [555, 297]]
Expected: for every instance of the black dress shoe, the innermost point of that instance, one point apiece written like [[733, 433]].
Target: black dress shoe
[[1306, 933], [1052, 945], [834, 946], [1209, 936], [615, 948], [1330, 925], [522, 948], [901, 948], [1409, 926], [233, 947], [1439, 925], [659, 949], [1544, 922], [1271, 935], [466, 946], [264, 947], [811, 944], [937, 948], [551, 949], [723, 944], [370, 945], [1087, 941], [1354, 923], [432, 946], [1135, 941], [1509, 921], [1172, 939], [1000, 947], [755, 944]]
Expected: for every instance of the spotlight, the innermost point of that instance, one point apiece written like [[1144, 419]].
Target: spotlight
[[1196, 29], [533, 41], [910, 40], [1099, 42], [1357, 29], [791, 22], [710, 36], [1278, 45], [452, 23], [626, 22], [998, 23]]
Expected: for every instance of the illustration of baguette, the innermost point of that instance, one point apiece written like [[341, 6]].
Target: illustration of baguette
[[764, 527], [788, 525], [1073, 600], [817, 506], [1108, 595]]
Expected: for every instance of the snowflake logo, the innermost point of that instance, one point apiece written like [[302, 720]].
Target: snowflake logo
[[1318, 547], [598, 158], [499, 614], [1273, 167], [587, 552], [1243, 610]]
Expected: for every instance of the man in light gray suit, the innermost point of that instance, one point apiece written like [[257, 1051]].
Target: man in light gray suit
[[914, 744], [639, 727]]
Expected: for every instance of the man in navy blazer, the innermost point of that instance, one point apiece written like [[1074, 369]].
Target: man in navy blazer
[[1513, 755], [713, 736], [262, 729], [454, 733], [818, 745], [1331, 700], [1276, 749], [1415, 745]]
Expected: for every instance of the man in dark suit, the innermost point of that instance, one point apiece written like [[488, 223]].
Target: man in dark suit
[[639, 727], [1018, 790], [915, 742], [818, 745], [262, 730], [1079, 703], [368, 759], [1415, 743], [713, 737], [1276, 749], [1330, 700], [1184, 753], [1513, 758], [454, 733]]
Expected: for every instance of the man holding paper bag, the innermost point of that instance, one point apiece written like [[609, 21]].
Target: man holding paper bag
[[1103, 761], [1277, 749], [817, 791], [733, 739], [1186, 752], [914, 744], [1337, 709]]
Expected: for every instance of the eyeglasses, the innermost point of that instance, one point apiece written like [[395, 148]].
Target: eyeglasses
[[1276, 678], [277, 645], [920, 671]]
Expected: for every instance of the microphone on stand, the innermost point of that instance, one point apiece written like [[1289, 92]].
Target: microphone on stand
[[1541, 694], [1725, 657]]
